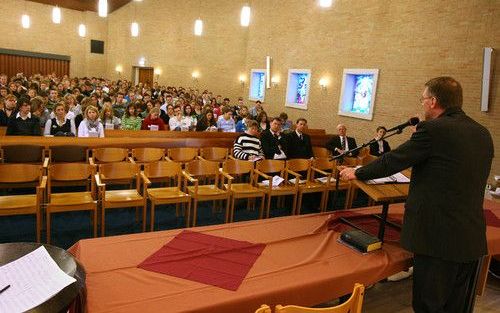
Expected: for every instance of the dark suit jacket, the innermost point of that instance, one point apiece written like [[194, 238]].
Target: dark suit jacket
[[451, 158], [374, 148], [335, 143], [269, 144], [296, 148]]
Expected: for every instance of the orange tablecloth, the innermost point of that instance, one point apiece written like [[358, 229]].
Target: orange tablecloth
[[302, 264]]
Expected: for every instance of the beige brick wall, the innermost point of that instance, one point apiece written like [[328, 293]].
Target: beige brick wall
[[47, 37]]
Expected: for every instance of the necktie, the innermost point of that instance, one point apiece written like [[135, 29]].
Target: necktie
[[342, 139], [300, 136]]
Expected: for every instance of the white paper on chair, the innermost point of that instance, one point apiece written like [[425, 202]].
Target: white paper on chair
[[324, 179], [109, 126], [495, 192], [497, 177], [393, 179], [33, 279], [153, 127], [301, 181], [276, 181]]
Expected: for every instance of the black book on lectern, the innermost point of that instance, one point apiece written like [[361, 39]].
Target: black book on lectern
[[360, 240]]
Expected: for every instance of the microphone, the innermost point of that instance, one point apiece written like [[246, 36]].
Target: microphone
[[411, 122]]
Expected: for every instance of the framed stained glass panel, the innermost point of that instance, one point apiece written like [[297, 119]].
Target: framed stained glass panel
[[357, 98], [297, 91], [257, 90]]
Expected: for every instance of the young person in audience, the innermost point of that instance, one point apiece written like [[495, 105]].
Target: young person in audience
[[225, 123], [248, 146], [207, 122], [91, 126], [120, 104], [240, 113], [23, 123], [130, 119], [198, 112], [256, 109], [79, 117], [153, 121], [263, 121], [38, 109], [271, 140], [380, 146], [9, 108], [297, 144], [339, 144], [241, 126], [175, 122], [189, 120], [52, 100], [4, 91], [286, 123], [60, 124], [108, 119]]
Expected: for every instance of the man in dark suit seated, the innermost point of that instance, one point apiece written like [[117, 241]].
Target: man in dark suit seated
[[339, 144], [271, 140], [444, 223], [297, 144]]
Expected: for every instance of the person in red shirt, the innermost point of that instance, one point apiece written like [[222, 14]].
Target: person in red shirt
[[153, 121]]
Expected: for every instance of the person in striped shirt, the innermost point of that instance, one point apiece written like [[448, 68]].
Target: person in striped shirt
[[247, 146]]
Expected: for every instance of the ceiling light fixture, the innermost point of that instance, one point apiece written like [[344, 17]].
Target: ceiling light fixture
[[245, 16], [82, 30], [134, 29], [198, 27], [103, 8], [25, 21], [56, 15]]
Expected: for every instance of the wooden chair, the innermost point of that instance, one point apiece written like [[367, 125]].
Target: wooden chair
[[353, 305], [263, 309], [109, 155], [217, 154], [15, 174], [310, 185], [243, 190], [167, 170], [182, 155], [147, 155], [265, 167], [122, 198], [69, 153], [209, 191], [23, 154], [321, 152], [64, 173], [329, 170]]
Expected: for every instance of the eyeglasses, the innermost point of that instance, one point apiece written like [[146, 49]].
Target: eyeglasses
[[424, 98]]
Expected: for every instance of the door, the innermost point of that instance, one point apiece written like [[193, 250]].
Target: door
[[146, 75]]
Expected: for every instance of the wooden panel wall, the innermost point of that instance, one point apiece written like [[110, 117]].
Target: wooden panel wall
[[13, 64]]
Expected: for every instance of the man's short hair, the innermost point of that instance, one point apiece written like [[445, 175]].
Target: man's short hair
[[381, 127], [301, 119], [276, 118], [252, 123], [447, 91], [226, 109]]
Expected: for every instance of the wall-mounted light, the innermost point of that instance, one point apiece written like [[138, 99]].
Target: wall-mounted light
[[82, 30], [243, 79], [102, 8], [268, 72], [119, 69], [275, 81], [25, 21], [323, 82], [245, 16], [198, 27], [195, 75], [56, 15], [134, 29], [157, 72], [325, 3], [142, 61]]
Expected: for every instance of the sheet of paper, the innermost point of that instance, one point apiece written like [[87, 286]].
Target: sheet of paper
[[301, 181], [153, 127], [276, 181], [109, 126], [324, 179], [33, 279], [393, 179]]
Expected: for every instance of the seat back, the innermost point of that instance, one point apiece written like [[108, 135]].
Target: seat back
[[162, 169], [202, 168], [271, 166], [146, 155], [182, 155], [118, 171], [237, 167], [109, 155], [324, 164], [214, 153], [353, 305], [23, 154], [298, 165], [320, 152], [70, 171], [68, 153], [19, 173]]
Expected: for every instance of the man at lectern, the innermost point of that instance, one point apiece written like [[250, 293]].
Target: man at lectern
[[443, 226]]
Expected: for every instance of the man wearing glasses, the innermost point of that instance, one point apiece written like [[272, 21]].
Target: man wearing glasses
[[443, 226]]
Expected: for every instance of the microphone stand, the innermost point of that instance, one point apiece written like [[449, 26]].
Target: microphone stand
[[341, 157]]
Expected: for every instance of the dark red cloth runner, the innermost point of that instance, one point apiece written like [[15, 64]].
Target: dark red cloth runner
[[205, 258], [491, 219]]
